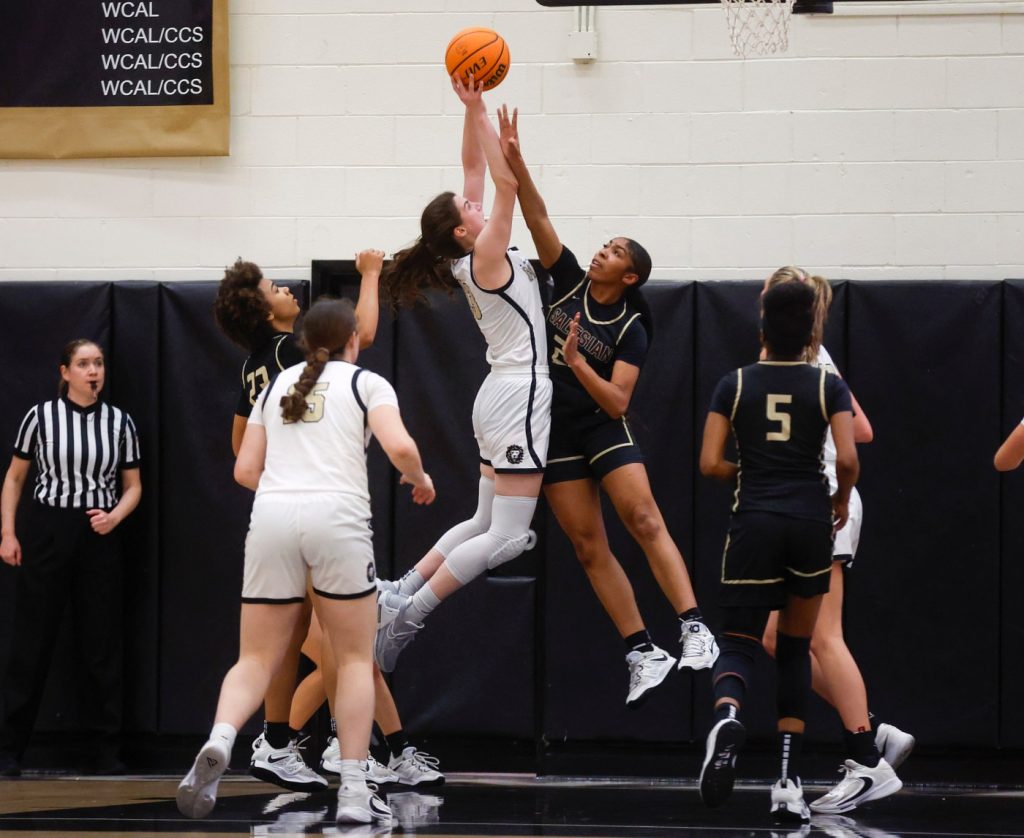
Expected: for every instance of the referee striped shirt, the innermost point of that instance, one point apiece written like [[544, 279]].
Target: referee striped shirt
[[78, 452]]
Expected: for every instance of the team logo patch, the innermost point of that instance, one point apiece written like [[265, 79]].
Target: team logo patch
[[514, 454], [371, 572]]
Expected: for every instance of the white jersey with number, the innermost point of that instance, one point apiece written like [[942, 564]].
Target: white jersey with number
[[511, 317], [326, 450]]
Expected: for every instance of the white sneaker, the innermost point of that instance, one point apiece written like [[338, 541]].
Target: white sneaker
[[646, 671], [387, 586], [718, 773], [860, 785], [394, 631], [330, 759], [284, 767], [361, 804], [416, 768], [893, 744], [788, 804], [377, 772], [197, 793], [700, 649]]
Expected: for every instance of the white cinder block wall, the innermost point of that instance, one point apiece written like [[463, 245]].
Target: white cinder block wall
[[887, 143]]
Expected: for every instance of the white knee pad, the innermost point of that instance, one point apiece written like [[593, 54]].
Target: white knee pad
[[509, 536], [477, 525]]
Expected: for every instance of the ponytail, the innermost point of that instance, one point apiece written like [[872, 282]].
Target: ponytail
[[293, 405]]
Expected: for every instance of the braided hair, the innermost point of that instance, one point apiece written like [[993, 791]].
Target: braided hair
[[326, 329]]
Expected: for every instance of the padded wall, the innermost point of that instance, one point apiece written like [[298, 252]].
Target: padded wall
[[925, 358]]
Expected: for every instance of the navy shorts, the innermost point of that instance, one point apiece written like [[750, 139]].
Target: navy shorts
[[769, 556], [589, 449]]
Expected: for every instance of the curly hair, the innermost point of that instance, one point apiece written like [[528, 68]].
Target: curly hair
[[241, 310], [326, 330], [427, 262]]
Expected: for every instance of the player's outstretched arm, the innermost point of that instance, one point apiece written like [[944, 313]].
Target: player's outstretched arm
[[369, 264], [1011, 453], [535, 211], [386, 423]]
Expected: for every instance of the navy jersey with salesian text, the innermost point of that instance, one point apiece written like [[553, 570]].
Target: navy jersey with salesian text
[[780, 411], [607, 333], [278, 352]]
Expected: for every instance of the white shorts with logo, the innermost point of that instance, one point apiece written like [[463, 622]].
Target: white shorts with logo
[[290, 532], [847, 539], [512, 420]]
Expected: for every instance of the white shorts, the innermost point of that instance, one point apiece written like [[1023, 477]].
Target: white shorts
[[289, 533], [847, 539], [512, 421]]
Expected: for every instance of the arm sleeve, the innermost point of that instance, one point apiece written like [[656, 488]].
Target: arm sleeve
[[837, 395], [632, 345], [724, 396], [566, 273], [25, 442], [130, 453]]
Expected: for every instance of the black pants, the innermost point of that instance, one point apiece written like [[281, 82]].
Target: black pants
[[64, 561]]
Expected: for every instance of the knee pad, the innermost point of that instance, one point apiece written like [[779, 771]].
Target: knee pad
[[510, 528], [735, 661], [793, 657], [477, 525]]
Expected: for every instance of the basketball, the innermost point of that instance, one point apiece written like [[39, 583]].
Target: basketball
[[479, 52]]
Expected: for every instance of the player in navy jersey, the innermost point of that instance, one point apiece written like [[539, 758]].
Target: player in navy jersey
[[874, 748], [458, 247], [599, 332], [778, 553]]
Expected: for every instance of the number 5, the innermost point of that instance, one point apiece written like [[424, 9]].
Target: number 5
[[776, 415]]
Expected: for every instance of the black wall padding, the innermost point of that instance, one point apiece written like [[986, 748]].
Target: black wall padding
[[1011, 580], [472, 667], [38, 319], [135, 375], [925, 359], [586, 678]]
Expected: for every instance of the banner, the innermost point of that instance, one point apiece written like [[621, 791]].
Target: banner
[[113, 78]]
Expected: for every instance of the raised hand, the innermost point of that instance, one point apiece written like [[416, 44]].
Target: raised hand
[[369, 261], [469, 94], [508, 134]]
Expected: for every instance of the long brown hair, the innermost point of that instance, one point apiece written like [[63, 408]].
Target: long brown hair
[[326, 329], [427, 262], [66, 356], [241, 310]]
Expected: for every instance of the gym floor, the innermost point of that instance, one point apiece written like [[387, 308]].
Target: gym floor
[[489, 805]]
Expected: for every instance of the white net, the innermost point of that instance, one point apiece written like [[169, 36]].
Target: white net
[[758, 26]]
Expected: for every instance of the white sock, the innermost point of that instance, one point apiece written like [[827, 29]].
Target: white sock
[[411, 583], [422, 603], [353, 774], [224, 733]]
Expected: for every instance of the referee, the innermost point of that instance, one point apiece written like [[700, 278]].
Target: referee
[[72, 553]]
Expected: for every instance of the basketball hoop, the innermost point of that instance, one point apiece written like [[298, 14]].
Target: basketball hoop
[[758, 26]]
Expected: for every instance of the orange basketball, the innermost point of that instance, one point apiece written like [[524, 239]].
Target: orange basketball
[[479, 52]]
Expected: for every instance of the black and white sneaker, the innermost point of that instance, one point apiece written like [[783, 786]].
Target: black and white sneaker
[[860, 785], [394, 631], [699, 647], [788, 804], [361, 804], [893, 744], [718, 773], [284, 767], [646, 671]]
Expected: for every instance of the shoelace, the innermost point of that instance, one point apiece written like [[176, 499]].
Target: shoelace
[[692, 639], [424, 761]]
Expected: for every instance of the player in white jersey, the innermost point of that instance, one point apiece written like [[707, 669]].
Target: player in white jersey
[[304, 452], [511, 415], [874, 748]]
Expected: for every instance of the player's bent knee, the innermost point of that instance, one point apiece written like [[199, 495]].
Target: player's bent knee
[[510, 548]]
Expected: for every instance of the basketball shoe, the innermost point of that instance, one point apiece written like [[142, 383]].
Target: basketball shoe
[[376, 772], [893, 744], [788, 804], [718, 773], [360, 803], [416, 768], [646, 671], [700, 649], [860, 785], [197, 793], [394, 631], [283, 767]]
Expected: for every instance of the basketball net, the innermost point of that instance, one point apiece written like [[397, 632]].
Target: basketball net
[[758, 26]]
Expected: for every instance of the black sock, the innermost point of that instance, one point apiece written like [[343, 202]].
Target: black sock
[[790, 744], [334, 727], [639, 642], [397, 742], [874, 721], [692, 614], [278, 734], [861, 747], [725, 710]]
